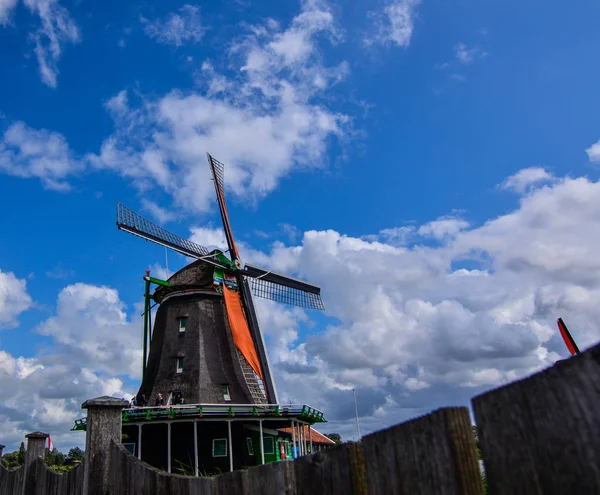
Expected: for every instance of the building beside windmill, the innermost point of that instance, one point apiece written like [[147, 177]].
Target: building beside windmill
[[206, 357]]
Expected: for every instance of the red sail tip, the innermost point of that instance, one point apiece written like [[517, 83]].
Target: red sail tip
[[566, 335]]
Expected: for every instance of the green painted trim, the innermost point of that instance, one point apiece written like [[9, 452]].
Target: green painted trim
[[219, 256], [158, 281]]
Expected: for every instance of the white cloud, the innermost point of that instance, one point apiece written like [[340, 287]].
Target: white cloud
[[525, 178], [14, 299], [6, 8], [410, 329], [443, 227], [394, 23], [209, 238], [91, 326], [57, 28], [593, 152], [177, 28], [160, 272], [27, 152], [405, 326], [395, 236], [264, 119], [94, 347], [47, 396], [466, 55], [60, 272], [162, 215]]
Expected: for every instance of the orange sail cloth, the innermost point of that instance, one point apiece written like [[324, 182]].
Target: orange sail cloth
[[239, 329]]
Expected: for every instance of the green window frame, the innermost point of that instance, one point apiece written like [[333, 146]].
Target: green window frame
[[179, 368], [219, 447], [250, 446], [269, 445]]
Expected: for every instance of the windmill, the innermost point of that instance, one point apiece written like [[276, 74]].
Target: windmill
[[211, 300]]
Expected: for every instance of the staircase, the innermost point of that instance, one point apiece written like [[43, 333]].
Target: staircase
[[254, 383]]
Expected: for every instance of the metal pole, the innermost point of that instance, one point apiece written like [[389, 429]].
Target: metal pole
[[311, 445], [146, 321], [304, 439], [230, 446], [293, 440], [301, 435], [166, 263], [195, 448], [169, 447], [356, 412], [262, 443], [140, 442]]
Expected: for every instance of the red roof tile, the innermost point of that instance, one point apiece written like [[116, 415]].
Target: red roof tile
[[317, 437]]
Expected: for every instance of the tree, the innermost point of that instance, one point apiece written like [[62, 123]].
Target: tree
[[54, 458], [76, 454], [476, 438], [11, 460], [14, 459], [21, 454], [336, 437]]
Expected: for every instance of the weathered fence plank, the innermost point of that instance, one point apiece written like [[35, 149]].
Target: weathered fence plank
[[434, 454], [278, 478], [230, 483], [541, 435], [329, 472], [130, 476], [11, 480]]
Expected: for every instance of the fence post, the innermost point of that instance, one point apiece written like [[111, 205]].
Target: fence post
[[36, 442], [542, 434], [435, 453], [103, 426]]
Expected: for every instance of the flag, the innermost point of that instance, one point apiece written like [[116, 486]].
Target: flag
[[49, 444]]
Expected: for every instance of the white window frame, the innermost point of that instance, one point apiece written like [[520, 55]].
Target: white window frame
[[179, 369], [182, 319], [226, 393], [226, 446]]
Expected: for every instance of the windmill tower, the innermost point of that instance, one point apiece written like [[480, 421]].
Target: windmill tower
[[206, 345]]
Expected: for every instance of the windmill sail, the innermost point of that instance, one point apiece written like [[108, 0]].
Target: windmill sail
[[283, 289], [216, 168], [129, 221], [245, 295], [240, 330]]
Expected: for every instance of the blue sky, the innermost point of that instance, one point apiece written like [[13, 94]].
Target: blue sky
[[425, 162]]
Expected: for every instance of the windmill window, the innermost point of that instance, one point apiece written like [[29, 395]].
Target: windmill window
[[182, 324], [179, 365], [250, 446], [269, 445], [219, 447], [225, 389]]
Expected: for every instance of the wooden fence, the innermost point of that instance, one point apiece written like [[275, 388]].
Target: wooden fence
[[11, 480], [35, 478], [432, 454], [540, 435]]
